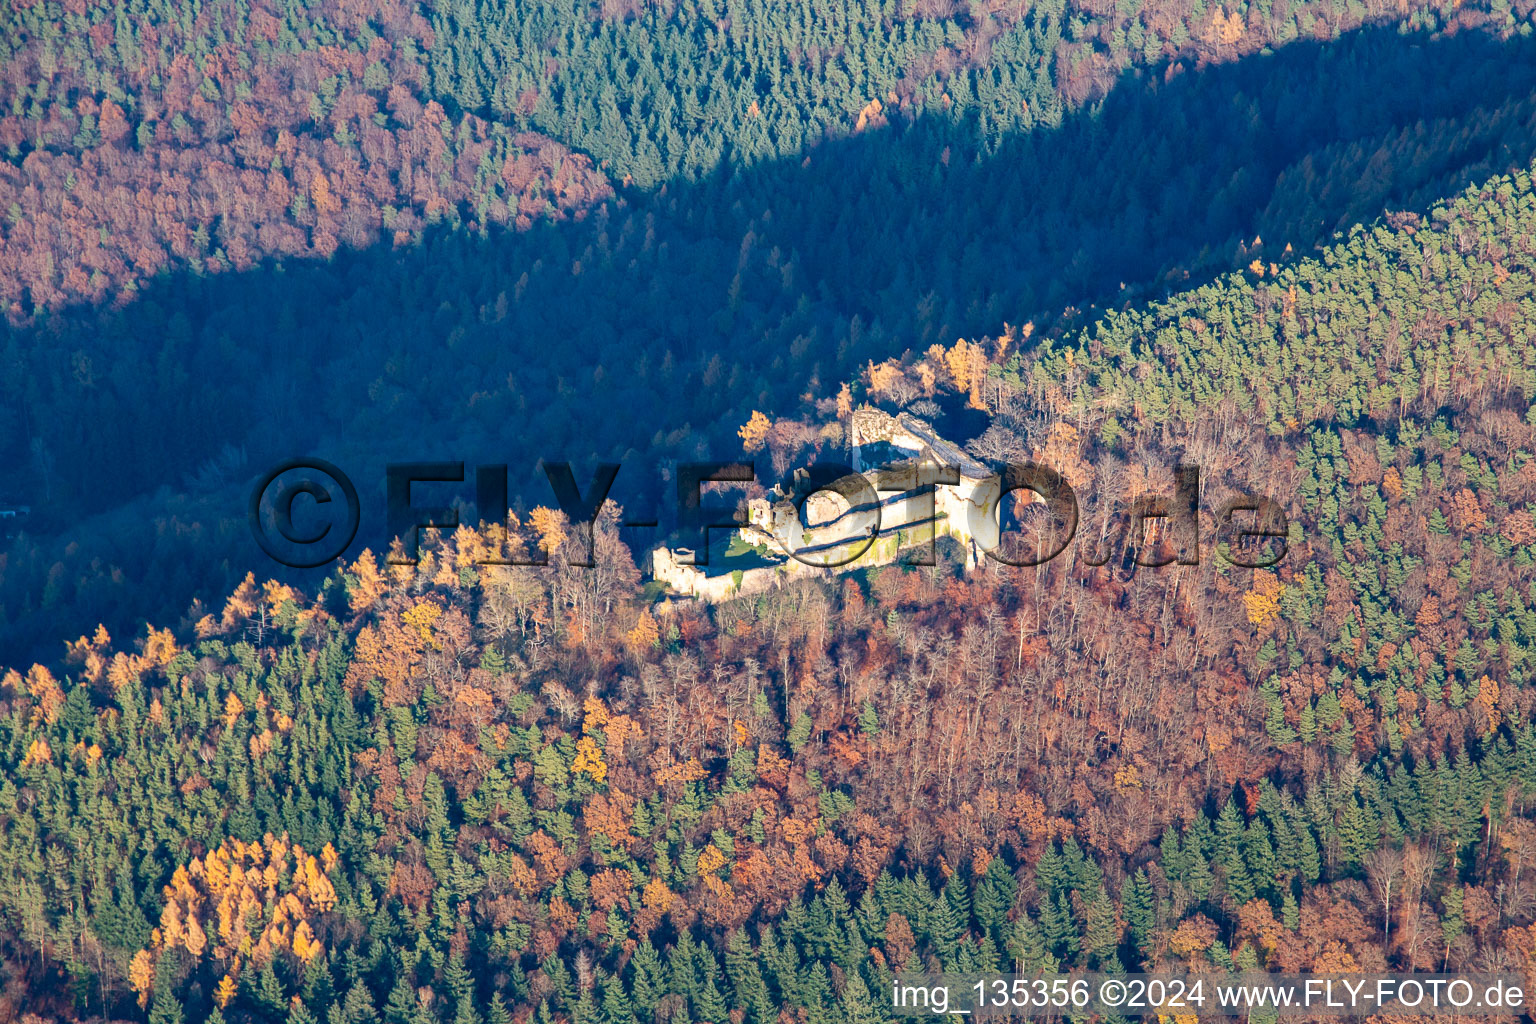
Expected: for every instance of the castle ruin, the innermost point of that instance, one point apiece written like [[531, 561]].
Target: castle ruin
[[908, 487]]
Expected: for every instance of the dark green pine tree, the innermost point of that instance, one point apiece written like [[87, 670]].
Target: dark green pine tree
[[1452, 920], [835, 899], [914, 899], [121, 922], [1259, 855], [1220, 955], [945, 926], [967, 957], [994, 898], [1230, 832], [857, 1006], [794, 924], [266, 992], [461, 989], [165, 1007], [1059, 929], [1083, 872], [990, 956], [1051, 873], [585, 1011], [616, 1007], [646, 980], [852, 947], [710, 1004], [1101, 937], [400, 1007], [821, 931], [1287, 846], [496, 1012], [517, 981], [958, 895], [816, 994], [887, 894], [707, 966], [1290, 911], [1198, 879], [1406, 800], [1357, 839], [1198, 840], [1139, 901], [319, 986], [1171, 856], [1309, 858], [870, 915], [780, 963], [358, 1007], [682, 976], [560, 977], [1026, 946], [747, 984]]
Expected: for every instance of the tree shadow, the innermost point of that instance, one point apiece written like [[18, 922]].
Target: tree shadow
[[647, 331]]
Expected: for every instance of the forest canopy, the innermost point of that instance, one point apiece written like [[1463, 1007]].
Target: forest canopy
[[1290, 243], [535, 791], [406, 312]]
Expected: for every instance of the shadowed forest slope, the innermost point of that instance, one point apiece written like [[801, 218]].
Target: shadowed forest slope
[[138, 136], [465, 793], [690, 306]]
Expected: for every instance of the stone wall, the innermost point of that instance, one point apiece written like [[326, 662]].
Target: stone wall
[[889, 452]]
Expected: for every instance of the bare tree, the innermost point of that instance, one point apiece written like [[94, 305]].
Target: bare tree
[[1384, 868], [997, 444]]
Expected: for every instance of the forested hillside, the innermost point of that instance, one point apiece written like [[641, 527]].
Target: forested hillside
[[467, 793], [328, 211], [1289, 242]]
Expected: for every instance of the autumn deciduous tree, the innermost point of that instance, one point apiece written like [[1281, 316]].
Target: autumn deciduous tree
[[243, 903], [754, 433], [645, 633]]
